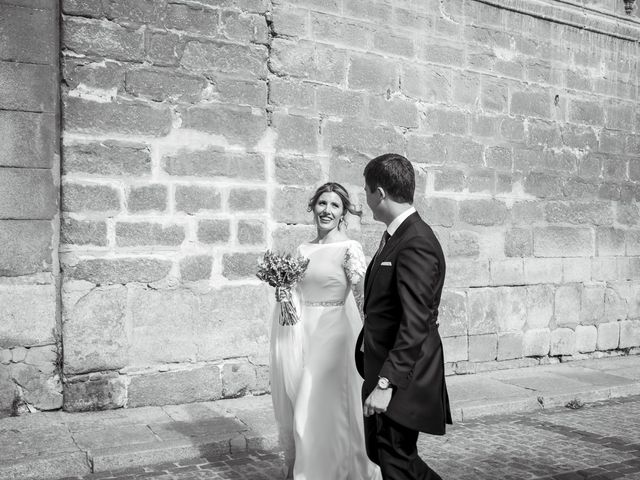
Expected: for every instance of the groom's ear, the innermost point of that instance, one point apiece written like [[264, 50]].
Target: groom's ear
[[382, 193]]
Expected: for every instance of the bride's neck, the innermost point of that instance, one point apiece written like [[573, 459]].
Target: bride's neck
[[330, 236]]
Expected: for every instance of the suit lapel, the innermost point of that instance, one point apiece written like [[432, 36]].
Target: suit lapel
[[391, 244]]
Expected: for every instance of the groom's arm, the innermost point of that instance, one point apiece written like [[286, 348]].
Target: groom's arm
[[417, 273]]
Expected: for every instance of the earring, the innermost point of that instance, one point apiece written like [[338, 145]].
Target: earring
[[342, 221]]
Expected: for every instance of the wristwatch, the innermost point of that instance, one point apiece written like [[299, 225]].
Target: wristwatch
[[383, 383]]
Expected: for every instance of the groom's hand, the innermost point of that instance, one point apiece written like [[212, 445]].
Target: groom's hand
[[377, 401]]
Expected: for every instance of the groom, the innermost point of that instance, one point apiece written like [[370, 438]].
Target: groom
[[399, 351]]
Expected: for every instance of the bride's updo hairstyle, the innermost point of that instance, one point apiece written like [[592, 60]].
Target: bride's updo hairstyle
[[338, 190]]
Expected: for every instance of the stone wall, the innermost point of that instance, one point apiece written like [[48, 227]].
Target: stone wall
[[195, 131], [29, 180]]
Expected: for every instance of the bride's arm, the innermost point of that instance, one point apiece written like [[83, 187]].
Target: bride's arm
[[355, 268]]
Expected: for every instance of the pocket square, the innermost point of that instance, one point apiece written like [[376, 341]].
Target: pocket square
[[385, 264]]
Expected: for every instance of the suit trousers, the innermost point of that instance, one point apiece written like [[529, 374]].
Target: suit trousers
[[394, 448]]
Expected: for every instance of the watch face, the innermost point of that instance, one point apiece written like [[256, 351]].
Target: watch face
[[383, 383]]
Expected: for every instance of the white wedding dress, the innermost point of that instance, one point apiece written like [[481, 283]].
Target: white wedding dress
[[315, 387]]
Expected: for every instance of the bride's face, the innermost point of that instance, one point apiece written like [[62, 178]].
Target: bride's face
[[327, 211]]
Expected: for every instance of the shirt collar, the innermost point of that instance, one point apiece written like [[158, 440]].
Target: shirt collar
[[393, 226]]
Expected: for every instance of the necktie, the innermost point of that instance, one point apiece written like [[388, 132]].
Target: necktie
[[383, 242]]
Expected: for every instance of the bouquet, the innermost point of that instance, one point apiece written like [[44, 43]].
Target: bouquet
[[282, 272]]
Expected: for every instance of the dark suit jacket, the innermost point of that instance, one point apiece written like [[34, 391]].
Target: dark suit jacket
[[401, 340]]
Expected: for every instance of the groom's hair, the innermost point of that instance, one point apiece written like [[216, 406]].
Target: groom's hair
[[394, 173]]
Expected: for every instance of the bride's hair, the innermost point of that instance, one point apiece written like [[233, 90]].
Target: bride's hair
[[338, 190]]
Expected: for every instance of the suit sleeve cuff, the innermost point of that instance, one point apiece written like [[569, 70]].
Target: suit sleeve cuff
[[396, 380]]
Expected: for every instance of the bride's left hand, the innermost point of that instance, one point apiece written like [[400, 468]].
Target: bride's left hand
[[377, 401]]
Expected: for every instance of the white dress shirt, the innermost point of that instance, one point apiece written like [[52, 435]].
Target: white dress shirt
[[393, 226]]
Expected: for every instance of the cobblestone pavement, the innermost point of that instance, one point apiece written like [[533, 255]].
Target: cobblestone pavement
[[597, 441]]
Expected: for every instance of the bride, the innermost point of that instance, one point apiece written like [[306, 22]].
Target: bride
[[315, 387]]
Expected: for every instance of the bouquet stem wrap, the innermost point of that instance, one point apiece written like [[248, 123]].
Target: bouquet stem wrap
[[288, 312]]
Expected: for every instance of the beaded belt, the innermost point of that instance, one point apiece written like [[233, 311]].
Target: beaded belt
[[328, 303]]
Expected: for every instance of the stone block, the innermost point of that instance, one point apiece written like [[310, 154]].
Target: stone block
[[234, 321], [455, 349], [592, 304], [109, 158], [102, 39], [464, 272], [199, 384], [586, 337], [244, 61], [540, 306], [118, 270], [121, 117], [147, 198], [129, 234], [507, 272], [542, 270], [285, 92], [608, 336], [239, 92], [95, 331], [585, 112], [394, 110], [28, 87], [483, 348], [192, 19], [483, 212], [512, 129], [629, 333], [518, 242], [251, 232], [581, 189], [563, 242], [83, 232], [216, 163], [160, 86], [29, 139], [297, 170], [238, 379], [431, 150], [28, 315], [365, 137], [194, 198], [26, 247], [576, 269], [27, 35], [610, 241], [238, 125], [531, 104], [437, 211], [102, 75], [295, 133], [464, 152], [427, 82], [628, 214], [449, 180], [213, 231], [499, 158], [290, 21], [164, 48], [453, 314], [577, 213], [632, 239], [373, 74], [463, 243], [162, 326], [563, 342], [439, 120], [510, 345], [27, 194], [568, 299], [287, 202], [536, 342], [496, 309], [336, 30], [240, 265], [543, 185], [604, 269], [526, 212], [247, 199], [42, 390], [196, 267]]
